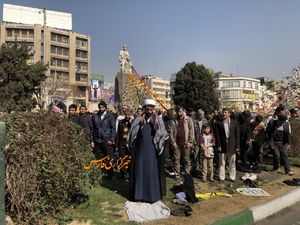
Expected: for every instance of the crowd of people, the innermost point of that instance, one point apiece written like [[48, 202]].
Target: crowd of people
[[180, 141]]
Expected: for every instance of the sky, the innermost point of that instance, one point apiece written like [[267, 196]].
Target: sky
[[247, 38]]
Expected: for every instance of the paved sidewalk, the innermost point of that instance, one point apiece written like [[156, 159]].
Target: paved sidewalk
[[263, 210]]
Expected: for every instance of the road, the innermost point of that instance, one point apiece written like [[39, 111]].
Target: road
[[288, 216]]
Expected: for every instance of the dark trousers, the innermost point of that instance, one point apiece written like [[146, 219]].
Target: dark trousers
[[102, 150], [243, 153], [123, 151], [279, 151]]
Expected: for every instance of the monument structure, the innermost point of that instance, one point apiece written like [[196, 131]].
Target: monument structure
[[122, 76], [130, 89]]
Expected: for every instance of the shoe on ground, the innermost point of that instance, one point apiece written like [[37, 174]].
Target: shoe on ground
[[252, 176], [179, 201], [245, 176], [290, 173]]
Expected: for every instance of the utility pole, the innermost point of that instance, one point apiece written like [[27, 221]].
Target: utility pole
[[43, 84]]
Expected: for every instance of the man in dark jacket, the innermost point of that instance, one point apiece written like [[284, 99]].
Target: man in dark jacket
[[121, 139], [87, 120], [103, 134], [278, 138], [228, 143], [72, 115]]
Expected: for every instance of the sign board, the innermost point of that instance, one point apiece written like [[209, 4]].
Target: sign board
[[96, 86], [97, 77], [252, 191], [28, 15]]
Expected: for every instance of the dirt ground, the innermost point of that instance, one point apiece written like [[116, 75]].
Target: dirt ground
[[209, 211]]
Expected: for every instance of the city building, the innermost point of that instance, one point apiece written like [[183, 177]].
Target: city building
[[172, 85], [160, 86], [50, 37], [237, 92]]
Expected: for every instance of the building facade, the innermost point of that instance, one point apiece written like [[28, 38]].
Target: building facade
[[160, 86], [237, 92], [66, 53]]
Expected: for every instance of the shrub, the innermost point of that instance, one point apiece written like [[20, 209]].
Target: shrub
[[295, 140], [45, 154]]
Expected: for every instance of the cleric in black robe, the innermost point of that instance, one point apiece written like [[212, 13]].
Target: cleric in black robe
[[146, 140]]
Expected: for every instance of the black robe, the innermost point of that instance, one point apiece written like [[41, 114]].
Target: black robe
[[135, 160]]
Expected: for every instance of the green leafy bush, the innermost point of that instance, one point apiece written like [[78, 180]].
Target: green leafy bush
[[45, 154], [295, 140]]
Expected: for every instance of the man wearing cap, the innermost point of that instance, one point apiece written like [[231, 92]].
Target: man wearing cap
[[103, 134], [146, 141]]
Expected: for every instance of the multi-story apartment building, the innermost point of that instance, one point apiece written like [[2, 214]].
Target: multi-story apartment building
[[237, 92], [160, 86], [66, 53]]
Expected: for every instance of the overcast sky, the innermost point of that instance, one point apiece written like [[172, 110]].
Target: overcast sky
[[248, 38]]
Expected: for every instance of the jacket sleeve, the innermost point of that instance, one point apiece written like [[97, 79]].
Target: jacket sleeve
[[237, 135], [200, 139], [191, 137], [113, 129], [93, 129], [118, 135], [287, 133], [172, 133], [217, 135], [213, 141]]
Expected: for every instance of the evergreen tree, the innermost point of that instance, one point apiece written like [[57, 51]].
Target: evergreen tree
[[194, 88], [19, 81]]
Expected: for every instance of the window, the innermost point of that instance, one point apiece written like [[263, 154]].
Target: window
[[81, 77], [53, 37], [231, 94], [59, 51], [9, 32], [65, 39], [53, 50], [81, 43], [59, 63], [81, 66], [66, 51], [59, 38], [65, 63], [81, 54], [249, 84], [231, 83], [16, 33], [24, 33], [31, 33]]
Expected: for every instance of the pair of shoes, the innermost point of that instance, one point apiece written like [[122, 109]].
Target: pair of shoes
[[184, 211], [179, 201], [290, 173], [252, 176], [245, 176]]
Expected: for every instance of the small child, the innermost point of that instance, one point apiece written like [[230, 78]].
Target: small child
[[207, 141]]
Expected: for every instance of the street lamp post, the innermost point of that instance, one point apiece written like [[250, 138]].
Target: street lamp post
[[43, 84]]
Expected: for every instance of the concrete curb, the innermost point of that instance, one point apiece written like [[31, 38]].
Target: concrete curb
[[263, 210]]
